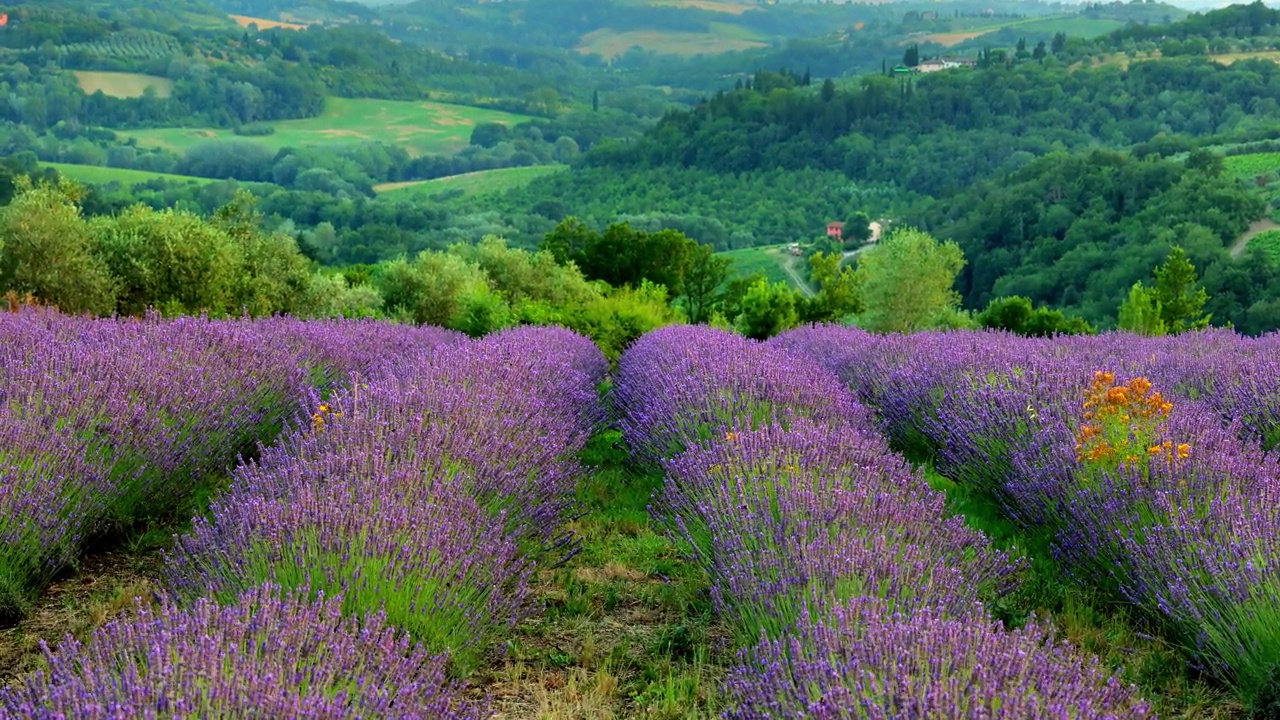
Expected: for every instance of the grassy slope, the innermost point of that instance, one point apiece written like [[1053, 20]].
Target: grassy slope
[[122, 84], [767, 259], [96, 175], [420, 127], [473, 184], [1252, 165]]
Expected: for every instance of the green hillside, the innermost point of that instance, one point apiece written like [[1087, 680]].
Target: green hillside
[[98, 175], [469, 185]]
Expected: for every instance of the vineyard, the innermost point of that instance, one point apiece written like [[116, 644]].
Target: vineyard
[[406, 522], [127, 44], [1268, 242], [1252, 165]]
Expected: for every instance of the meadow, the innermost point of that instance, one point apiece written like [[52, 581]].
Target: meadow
[[423, 524], [1073, 25], [100, 175], [1268, 242], [471, 185], [420, 127], [122, 84], [264, 24]]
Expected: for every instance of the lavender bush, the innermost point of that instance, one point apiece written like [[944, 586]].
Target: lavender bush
[[779, 514], [861, 660], [268, 654], [683, 385]]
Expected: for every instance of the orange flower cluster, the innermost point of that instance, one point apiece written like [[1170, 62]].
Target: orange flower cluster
[[318, 418], [1119, 419]]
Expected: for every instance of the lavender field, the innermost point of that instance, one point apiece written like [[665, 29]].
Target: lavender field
[[369, 520]]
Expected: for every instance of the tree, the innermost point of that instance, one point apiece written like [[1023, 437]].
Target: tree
[[857, 230], [911, 57], [838, 295], [47, 250], [170, 260], [1176, 293], [767, 309], [828, 92], [1140, 313], [703, 276], [1040, 52], [906, 282], [1016, 314], [595, 100]]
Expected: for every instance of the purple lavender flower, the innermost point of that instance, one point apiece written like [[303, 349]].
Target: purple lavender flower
[[268, 654]]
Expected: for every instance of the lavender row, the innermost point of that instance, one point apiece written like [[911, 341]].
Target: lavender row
[[411, 500], [828, 553], [1144, 458]]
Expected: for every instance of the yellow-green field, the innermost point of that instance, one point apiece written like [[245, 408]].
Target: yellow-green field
[[420, 127], [1228, 58], [1071, 25], [610, 43], [265, 24], [122, 84], [97, 175], [731, 8], [471, 185]]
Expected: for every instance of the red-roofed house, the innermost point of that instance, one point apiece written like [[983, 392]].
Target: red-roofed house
[[835, 229]]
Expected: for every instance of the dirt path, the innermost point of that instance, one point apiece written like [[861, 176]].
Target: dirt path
[[789, 267], [104, 587], [1255, 229]]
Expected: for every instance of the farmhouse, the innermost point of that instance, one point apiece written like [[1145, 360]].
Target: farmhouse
[[835, 229], [936, 64]]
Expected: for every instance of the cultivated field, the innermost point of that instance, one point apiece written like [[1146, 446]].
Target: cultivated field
[[97, 175], [121, 84], [731, 8], [768, 260], [265, 24], [473, 184], [610, 43], [1252, 165], [1072, 25], [420, 127]]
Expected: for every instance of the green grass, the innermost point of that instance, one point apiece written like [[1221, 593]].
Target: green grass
[[121, 84], [628, 627], [420, 127], [1252, 165], [767, 259], [469, 185], [97, 175]]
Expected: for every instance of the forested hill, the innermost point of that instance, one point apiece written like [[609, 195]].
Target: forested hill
[[956, 152]]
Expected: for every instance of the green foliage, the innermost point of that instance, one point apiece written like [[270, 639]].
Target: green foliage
[[1176, 293], [47, 250], [1141, 312], [434, 289], [767, 309], [170, 260], [906, 282], [622, 315], [334, 296], [703, 276], [838, 295], [1016, 314]]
